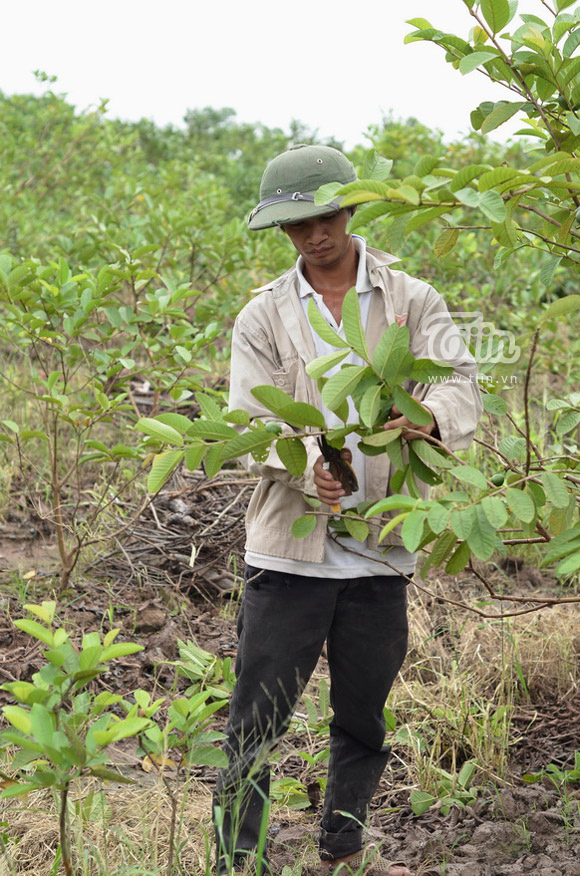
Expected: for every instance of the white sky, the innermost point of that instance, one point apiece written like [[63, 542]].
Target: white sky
[[336, 67]]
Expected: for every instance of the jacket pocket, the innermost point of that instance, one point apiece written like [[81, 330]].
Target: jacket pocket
[[285, 377]]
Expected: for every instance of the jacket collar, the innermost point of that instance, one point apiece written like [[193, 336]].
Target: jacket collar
[[284, 291]]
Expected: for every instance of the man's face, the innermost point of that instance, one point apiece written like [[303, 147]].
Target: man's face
[[322, 242]]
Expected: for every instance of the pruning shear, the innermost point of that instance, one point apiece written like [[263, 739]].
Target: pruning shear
[[339, 468]]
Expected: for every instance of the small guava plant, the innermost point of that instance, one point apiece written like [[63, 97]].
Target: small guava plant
[[60, 729]]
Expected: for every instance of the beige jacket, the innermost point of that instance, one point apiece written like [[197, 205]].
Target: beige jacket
[[272, 343]]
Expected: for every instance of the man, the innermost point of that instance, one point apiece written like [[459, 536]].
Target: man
[[301, 592]]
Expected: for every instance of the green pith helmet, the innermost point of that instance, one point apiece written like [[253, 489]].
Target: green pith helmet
[[290, 182]]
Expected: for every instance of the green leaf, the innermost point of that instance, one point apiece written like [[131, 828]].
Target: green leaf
[[293, 455], [42, 724], [468, 196], [438, 518], [121, 730], [237, 417], [482, 537], [395, 454], [322, 329], [392, 503], [194, 455], [159, 430], [561, 307], [513, 447], [33, 628], [495, 511], [409, 193], [177, 421], [441, 549], [163, 466], [119, 649], [366, 214], [211, 430], [572, 43], [318, 367], [208, 755], [213, 460], [556, 489], [494, 404], [425, 216], [521, 505], [568, 422], [469, 475], [375, 166], [420, 23], [302, 414], [18, 717], [569, 566], [496, 13], [430, 455], [492, 205], [392, 342], [247, 442], [422, 471], [425, 165], [367, 187], [45, 611], [499, 175], [470, 62], [459, 559], [370, 406], [338, 387], [19, 789], [303, 526], [209, 408], [109, 775], [466, 175], [356, 528], [445, 242], [392, 524], [421, 801], [382, 438], [272, 397], [561, 545], [327, 193], [424, 370], [412, 530], [411, 408], [353, 328], [463, 521]]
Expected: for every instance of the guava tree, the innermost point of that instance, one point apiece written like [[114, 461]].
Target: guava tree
[[522, 487]]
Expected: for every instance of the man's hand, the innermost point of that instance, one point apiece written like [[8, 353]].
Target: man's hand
[[330, 491], [410, 429]]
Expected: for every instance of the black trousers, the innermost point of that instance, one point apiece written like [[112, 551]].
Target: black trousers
[[282, 625]]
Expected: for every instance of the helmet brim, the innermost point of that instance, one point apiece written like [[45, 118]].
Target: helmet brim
[[286, 212]]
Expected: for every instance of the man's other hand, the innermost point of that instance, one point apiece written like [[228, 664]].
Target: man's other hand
[[410, 429]]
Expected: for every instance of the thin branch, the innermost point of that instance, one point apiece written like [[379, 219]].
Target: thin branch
[[517, 75], [527, 400], [550, 219]]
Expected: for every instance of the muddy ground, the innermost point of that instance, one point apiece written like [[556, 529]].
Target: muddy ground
[[158, 590]]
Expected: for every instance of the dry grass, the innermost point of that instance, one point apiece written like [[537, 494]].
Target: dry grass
[[465, 677], [125, 831]]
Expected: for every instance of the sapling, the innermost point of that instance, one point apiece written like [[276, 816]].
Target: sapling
[[61, 729]]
